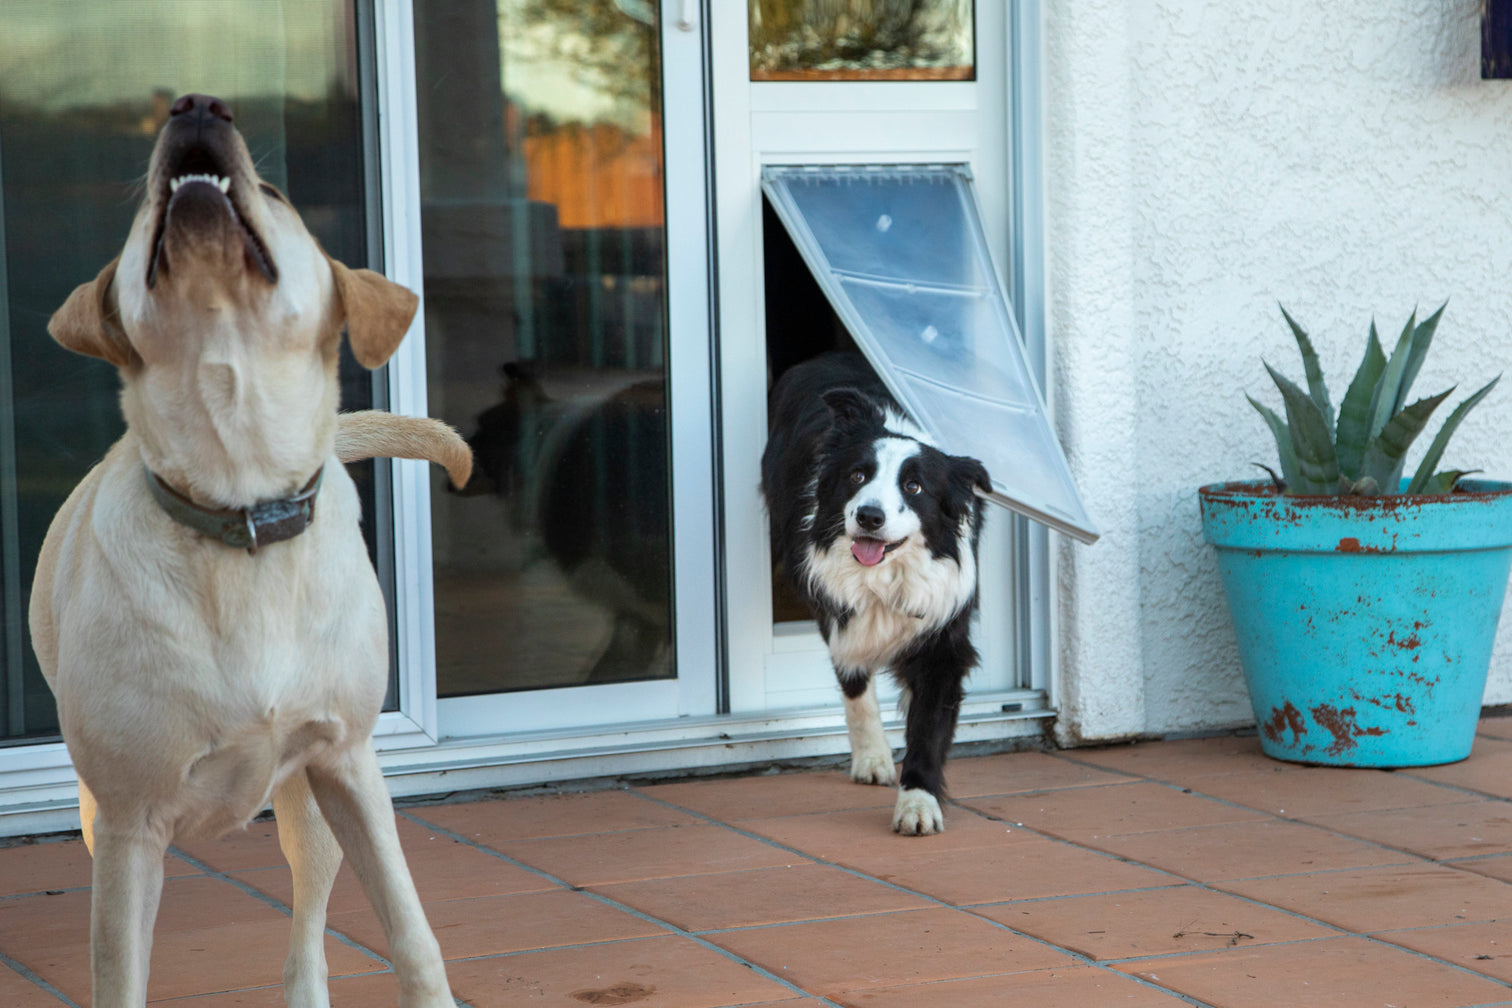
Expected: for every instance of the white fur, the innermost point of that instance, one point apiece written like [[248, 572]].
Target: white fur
[[917, 813], [871, 756]]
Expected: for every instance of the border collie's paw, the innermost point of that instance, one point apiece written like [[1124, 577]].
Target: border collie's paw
[[874, 766], [917, 813]]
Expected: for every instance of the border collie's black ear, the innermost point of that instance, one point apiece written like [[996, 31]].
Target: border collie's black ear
[[967, 475], [851, 407]]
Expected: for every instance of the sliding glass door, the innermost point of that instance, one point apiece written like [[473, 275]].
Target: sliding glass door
[[84, 88], [567, 336]]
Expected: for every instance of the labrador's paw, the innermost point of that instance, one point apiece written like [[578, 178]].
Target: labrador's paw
[[917, 813]]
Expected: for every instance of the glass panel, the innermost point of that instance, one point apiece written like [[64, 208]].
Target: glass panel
[[545, 277], [862, 40], [900, 253], [83, 90]]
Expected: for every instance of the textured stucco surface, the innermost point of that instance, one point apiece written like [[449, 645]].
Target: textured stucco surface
[[1206, 160]]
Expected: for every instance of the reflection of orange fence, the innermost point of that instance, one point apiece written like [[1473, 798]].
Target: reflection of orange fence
[[598, 176]]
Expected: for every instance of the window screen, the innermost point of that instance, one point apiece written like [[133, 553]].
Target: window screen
[[900, 253]]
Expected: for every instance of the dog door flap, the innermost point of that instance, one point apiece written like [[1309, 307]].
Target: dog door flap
[[900, 253]]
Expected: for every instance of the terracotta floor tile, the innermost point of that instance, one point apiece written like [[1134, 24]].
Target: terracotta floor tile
[[210, 936], [1183, 761], [494, 821], [737, 798], [1495, 727], [1153, 922], [1113, 810], [864, 837], [43, 867], [1378, 899], [1331, 972], [54, 865], [1485, 947], [1319, 791], [645, 854], [256, 846], [1497, 866], [367, 991], [664, 972], [18, 992], [1035, 869], [1249, 850], [1070, 987], [912, 947], [1488, 770], [1016, 773], [763, 896], [495, 925], [441, 867], [1444, 831]]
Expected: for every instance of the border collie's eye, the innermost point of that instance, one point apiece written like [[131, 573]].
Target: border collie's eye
[[858, 476], [912, 488]]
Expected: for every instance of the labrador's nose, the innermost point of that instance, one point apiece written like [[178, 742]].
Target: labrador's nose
[[200, 106]]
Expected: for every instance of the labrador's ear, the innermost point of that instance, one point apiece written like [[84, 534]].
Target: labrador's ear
[[90, 321], [378, 312]]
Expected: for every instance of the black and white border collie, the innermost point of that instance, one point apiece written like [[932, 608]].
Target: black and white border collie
[[877, 529]]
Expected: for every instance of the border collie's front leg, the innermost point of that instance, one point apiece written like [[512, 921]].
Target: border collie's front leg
[[934, 704], [871, 756]]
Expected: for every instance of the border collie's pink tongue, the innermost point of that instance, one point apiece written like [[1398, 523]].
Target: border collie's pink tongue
[[868, 552]]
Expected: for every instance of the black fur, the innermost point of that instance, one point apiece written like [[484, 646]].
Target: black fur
[[826, 417]]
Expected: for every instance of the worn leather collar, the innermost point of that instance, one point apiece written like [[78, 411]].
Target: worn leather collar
[[262, 524]]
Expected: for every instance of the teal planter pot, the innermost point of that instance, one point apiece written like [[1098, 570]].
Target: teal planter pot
[[1365, 624]]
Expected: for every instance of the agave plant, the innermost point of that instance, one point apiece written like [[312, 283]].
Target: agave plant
[[1364, 450]]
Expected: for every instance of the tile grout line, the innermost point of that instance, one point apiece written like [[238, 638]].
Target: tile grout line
[[26, 973], [938, 903], [1210, 887], [281, 907], [614, 904]]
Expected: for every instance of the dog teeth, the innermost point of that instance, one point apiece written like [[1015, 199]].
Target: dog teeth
[[219, 181]]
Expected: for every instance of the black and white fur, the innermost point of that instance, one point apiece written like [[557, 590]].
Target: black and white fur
[[877, 528]]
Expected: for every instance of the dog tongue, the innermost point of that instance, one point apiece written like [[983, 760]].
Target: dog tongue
[[868, 552]]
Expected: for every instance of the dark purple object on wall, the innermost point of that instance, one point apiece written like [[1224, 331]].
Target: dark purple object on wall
[[1496, 40]]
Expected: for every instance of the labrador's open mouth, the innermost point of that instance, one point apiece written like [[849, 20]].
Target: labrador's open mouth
[[196, 184]]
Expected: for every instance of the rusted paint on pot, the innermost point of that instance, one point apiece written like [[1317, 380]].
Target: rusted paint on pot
[[1364, 624]]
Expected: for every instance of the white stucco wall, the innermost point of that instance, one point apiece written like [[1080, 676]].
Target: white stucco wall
[[1205, 160]]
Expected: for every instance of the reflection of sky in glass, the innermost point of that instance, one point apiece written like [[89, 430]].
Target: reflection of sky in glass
[[64, 55], [900, 254], [545, 69]]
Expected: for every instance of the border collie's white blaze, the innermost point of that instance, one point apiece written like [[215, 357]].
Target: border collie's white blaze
[[878, 530]]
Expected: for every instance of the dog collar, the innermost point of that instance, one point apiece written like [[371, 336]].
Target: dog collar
[[262, 524]]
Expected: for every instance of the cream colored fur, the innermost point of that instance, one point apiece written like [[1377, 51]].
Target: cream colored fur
[[196, 682]]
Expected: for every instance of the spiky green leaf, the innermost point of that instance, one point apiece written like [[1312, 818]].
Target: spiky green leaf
[[1425, 470], [1316, 387], [1383, 403], [1388, 449], [1422, 338], [1279, 431], [1312, 441], [1354, 410]]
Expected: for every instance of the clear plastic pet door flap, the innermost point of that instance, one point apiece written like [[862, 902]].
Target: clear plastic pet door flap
[[900, 253]]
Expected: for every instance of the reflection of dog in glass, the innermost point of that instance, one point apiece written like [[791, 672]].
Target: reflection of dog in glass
[[877, 528], [588, 474]]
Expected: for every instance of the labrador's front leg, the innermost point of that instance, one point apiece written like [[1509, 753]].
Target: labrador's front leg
[[127, 885], [314, 858], [349, 789]]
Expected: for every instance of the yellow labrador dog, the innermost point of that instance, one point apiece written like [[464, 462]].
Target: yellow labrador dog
[[204, 608]]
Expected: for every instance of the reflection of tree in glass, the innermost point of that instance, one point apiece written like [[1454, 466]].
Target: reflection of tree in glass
[[612, 44], [838, 35]]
